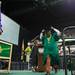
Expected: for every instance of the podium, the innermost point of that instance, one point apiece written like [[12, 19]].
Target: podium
[[5, 56]]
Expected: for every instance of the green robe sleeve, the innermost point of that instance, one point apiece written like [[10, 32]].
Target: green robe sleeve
[[56, 37]]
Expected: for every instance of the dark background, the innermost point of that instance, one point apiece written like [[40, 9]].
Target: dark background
[[35, 15]]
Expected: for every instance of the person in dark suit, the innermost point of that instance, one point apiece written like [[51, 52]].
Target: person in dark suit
[[34, 55]]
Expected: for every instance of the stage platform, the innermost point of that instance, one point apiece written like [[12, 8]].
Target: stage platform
[[26, 72]]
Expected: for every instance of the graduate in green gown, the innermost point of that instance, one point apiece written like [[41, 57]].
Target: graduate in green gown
[[51, 54]]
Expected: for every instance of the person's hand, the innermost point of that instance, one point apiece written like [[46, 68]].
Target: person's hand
[[43, 30], [52, 27]]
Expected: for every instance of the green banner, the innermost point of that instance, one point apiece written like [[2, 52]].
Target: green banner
[[5, 49]]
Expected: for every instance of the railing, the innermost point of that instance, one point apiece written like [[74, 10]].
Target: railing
[[65, 60]]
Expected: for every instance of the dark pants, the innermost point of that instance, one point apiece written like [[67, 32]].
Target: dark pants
[[34, 57]]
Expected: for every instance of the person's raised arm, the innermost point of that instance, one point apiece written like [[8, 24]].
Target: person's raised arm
[[57, 31], [41, 34]]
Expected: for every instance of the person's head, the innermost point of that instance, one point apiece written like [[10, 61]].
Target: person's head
[[28, 44], [48, 33], [36, 42]]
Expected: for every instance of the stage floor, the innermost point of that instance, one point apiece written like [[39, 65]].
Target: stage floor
[[26, 72]]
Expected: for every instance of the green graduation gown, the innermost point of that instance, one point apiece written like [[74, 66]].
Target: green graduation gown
[[51, 49]]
